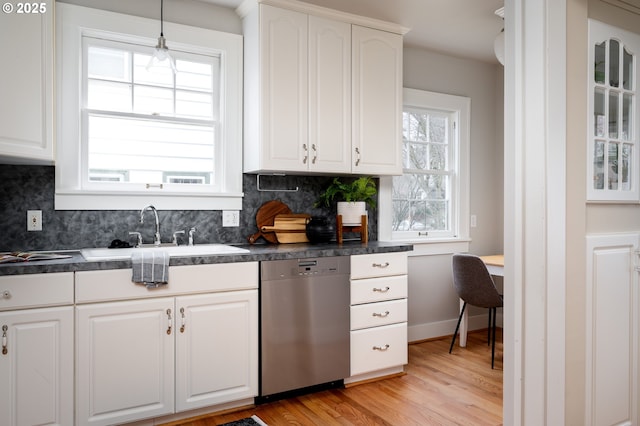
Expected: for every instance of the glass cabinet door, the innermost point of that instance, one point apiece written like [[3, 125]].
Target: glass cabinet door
[[613, 114]]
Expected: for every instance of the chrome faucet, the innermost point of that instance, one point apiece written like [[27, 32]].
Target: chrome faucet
[[191, 232], [156, 239]]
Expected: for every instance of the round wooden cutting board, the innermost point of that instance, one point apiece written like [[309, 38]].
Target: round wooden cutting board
[[265, 217]]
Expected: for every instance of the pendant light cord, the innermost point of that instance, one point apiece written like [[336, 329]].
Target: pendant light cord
[[161, 18]]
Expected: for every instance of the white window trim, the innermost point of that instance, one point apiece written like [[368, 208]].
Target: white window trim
[[71, 22], [422, 246]]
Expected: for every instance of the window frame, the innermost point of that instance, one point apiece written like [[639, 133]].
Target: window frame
[[74, 22], [460, 106]]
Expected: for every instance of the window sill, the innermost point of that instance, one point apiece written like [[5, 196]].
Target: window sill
[[436, 246], [122, 201]]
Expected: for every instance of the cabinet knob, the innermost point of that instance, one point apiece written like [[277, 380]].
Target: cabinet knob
[[6, 294]]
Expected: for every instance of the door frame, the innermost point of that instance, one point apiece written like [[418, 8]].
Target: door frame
[[534, 211]]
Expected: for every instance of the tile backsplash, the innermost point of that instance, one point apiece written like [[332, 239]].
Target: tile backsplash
[[32, 188]]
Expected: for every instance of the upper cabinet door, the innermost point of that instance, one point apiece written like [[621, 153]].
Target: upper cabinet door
[[329, 95], [322, 94], [613, 152], [377, 101], [26, 86], [284, 83]]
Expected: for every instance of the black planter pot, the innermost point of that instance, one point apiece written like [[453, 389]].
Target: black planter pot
[[320, 230]]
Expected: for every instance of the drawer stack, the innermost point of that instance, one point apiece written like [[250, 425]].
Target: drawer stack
[[378, 312]]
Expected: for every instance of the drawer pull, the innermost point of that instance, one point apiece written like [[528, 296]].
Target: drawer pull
[[381, 315], [183, 320], [170, 321], [381, 265], [4, 339], [382, 290], [381, 348], [6, 294]]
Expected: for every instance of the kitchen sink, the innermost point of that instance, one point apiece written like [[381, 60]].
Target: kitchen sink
[[95, 254]]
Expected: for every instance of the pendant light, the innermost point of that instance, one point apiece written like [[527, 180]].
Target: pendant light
[[161, 52]]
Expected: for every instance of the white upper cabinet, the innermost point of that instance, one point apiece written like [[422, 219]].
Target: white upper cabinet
[[302, 106], [280, 140], [329, 95], [613, 160], [26, 86], [377, 102]]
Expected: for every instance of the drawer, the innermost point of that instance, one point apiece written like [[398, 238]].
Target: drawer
[[116, 284], [377, 314], [378, 265], [378, 348], [378, 289], [34, 290]]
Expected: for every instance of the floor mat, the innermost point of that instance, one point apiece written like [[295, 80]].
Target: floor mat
[[249, 421]]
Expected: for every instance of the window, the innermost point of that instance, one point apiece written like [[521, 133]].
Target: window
[[429, 202], [130, 134]]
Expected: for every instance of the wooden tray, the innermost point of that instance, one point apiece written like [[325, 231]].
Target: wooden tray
[[289, 228]]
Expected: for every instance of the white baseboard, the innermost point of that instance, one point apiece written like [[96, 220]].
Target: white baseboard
[[446, 328]]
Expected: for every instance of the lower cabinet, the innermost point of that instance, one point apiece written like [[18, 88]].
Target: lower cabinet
[[148, 358], [379, 343], [612, 376], [36, 367], [168, 351], [216, 348], [125, 361], [36, 350]]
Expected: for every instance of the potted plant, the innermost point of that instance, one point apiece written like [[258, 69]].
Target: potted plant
[[352, 197]]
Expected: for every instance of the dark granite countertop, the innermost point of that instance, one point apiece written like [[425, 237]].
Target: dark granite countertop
[[257, 252]]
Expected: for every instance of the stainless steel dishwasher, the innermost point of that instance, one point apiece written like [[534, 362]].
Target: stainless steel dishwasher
[[304, 324]]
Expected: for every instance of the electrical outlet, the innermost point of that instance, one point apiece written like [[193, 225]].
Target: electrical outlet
[[34, 220], [473, 221], [230, 218]]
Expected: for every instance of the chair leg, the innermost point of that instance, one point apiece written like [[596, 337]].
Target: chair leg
[[489, 327], [455, 333], [493, 344]]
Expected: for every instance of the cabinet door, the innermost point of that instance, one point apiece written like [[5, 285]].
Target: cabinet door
[[613, 139], [284, 89], [217, 348], [613, 330], [36, 372], [377, 101], [125, 361], [329, 95], [26, 86]]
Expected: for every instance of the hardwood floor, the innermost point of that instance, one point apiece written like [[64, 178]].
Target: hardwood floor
[[439, 389]]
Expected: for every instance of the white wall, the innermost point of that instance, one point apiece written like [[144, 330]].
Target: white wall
[[186, 12], [433, 304]]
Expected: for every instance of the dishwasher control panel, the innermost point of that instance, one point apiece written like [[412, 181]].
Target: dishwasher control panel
[[317, 266]]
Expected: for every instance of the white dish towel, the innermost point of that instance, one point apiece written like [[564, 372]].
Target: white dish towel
[[150, 268]]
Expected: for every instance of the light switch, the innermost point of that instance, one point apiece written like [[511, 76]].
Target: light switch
[[230, 218], [34, 220]]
